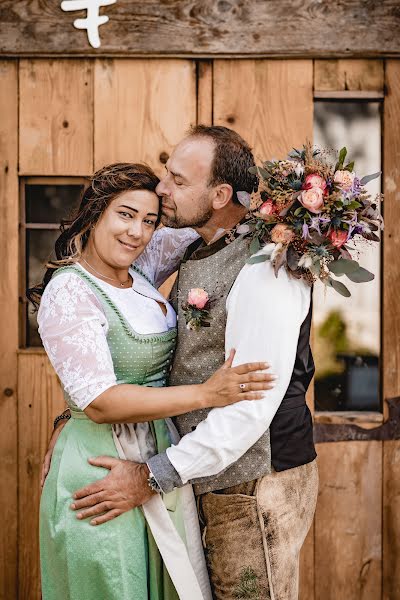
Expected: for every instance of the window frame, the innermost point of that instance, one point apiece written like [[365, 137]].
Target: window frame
[[23, 227], [365, 418]]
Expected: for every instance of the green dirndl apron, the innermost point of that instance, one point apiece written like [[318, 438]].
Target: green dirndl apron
[[118, 560]]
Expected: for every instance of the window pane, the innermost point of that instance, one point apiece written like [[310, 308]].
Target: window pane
[[39, 248], [50, 203], [347, 330]]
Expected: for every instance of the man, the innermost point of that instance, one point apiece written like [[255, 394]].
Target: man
[[253, 464]]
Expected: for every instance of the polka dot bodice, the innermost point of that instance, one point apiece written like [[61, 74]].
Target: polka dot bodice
[[142, 359]]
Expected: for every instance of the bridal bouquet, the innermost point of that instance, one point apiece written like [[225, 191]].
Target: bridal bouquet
[[306, 211]]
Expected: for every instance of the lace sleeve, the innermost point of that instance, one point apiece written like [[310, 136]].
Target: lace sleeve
[[73, 329], [164, 253]]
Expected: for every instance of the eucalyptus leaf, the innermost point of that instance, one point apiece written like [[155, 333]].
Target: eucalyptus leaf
[[280, 261], [349, 166], [253, 170], [257, 259], [343, 266], [369, 178], [264, 174], [292, 258], [298, 211], [316, 268], [339, 287], [361, 275], [255, 245], [370, 236], [244, 198]]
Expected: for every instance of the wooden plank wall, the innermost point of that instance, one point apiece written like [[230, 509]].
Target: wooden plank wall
[[391, 329], [8, 326], [129, 110]]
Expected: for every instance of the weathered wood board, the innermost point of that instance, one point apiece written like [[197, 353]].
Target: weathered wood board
[[40, 400], [277, 28], [391, 328], [8, 326]]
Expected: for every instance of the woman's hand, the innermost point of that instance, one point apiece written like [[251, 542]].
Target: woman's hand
[[233, 384]]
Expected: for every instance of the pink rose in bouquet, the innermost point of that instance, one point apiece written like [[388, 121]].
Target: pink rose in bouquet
[[312, 199], [267, 209], [282, 234], [344, 179], [198, 298], [314, 181], [338, 238]]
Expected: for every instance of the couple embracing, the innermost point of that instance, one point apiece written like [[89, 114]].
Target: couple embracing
[[184, 466]]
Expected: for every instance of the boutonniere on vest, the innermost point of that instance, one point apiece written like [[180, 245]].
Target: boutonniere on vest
[[196, 309]]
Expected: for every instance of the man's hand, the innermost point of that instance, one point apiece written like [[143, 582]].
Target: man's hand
[[47, 458], [124, 488]]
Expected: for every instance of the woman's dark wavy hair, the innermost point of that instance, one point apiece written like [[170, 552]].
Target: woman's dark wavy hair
[[105, 185]]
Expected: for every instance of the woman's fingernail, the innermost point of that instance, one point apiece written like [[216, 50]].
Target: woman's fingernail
[[72, 506], [79, 516]]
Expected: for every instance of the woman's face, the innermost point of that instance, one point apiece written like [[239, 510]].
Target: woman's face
[[125, 228]]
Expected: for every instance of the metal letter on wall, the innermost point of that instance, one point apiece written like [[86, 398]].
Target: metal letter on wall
[[93, 18]]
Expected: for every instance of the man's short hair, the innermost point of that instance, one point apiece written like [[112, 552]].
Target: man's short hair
[[232, 160]]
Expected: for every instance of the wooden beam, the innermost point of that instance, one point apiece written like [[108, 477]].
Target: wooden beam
[[348, 95], [204, 92], [8, 326], [391, 327], [40, 400], [278, 28], [349, 75]]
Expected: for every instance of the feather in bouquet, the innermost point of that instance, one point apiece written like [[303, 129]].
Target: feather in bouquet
[[308, 208]]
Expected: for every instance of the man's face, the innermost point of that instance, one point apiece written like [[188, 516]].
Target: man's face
[[186, 197]]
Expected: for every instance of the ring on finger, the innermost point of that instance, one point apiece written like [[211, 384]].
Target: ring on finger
[[242, 386]]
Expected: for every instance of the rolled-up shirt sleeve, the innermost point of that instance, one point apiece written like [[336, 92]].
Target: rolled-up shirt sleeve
[[264, 317]]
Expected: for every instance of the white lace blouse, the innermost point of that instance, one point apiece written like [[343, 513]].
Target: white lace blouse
[[73, 325]]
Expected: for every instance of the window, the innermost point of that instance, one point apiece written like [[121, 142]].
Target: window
[[44, 203], [347, 330]]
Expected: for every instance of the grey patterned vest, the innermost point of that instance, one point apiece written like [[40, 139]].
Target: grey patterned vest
[[199, 353]]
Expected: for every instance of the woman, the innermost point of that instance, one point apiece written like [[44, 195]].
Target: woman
[[110, 337]]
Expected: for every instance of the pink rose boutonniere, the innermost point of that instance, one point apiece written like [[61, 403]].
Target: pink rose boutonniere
[[196, 309]]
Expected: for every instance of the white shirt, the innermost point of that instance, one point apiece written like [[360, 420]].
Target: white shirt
[[73, 325], [264, 317]]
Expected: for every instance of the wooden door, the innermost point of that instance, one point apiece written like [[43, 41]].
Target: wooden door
[[76, 115]]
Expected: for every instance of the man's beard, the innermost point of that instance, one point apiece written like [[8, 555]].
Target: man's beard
[[172, 219]]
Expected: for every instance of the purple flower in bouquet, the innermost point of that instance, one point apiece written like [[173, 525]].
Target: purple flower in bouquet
[[305, 231], [317, 222]]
